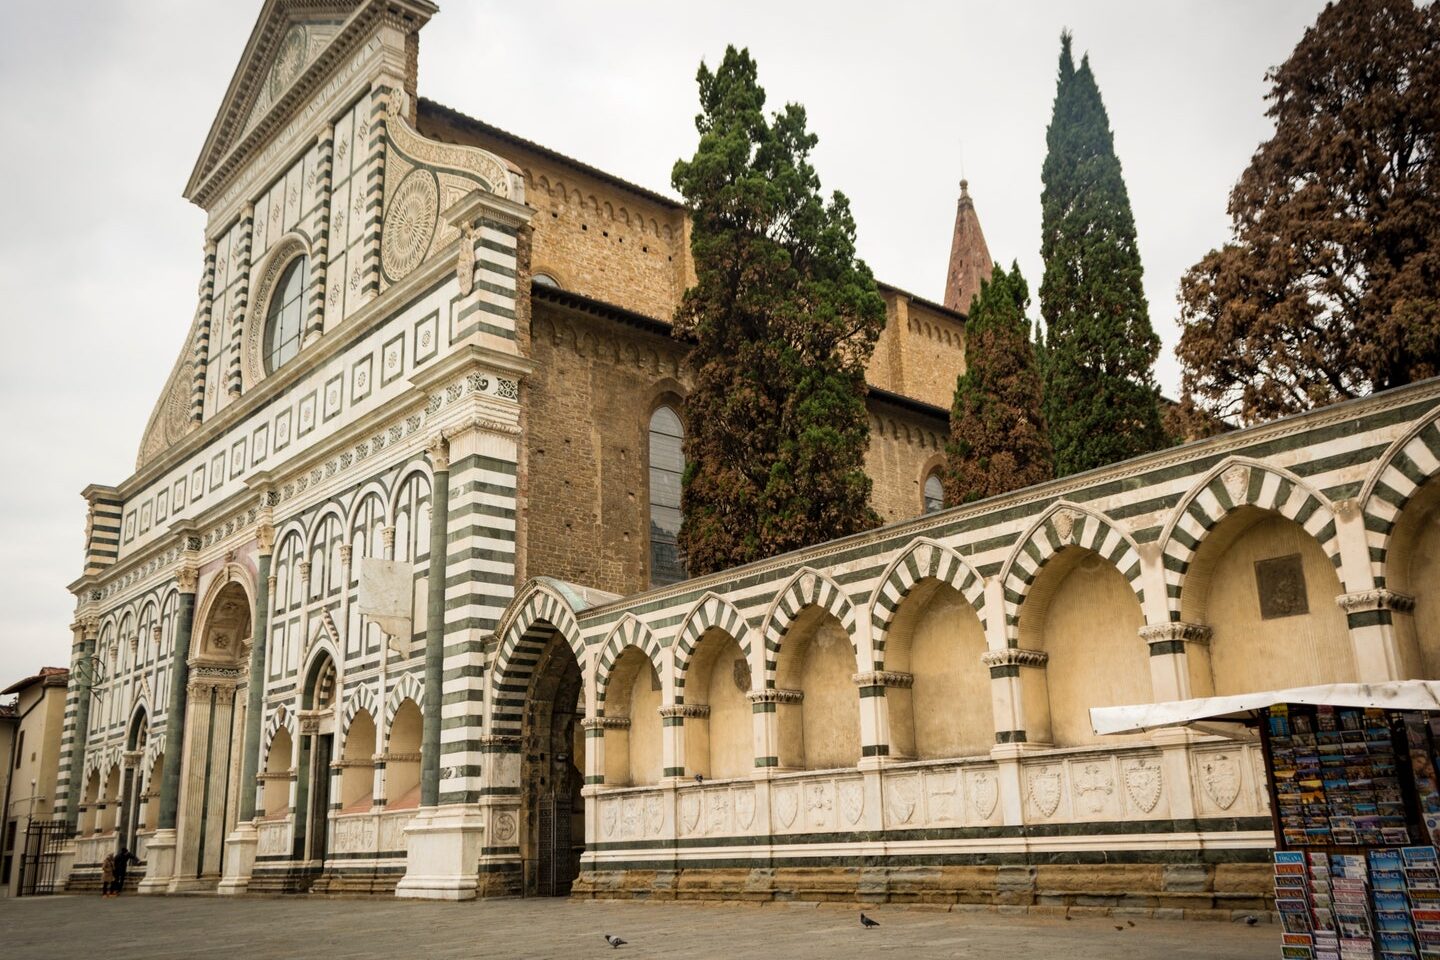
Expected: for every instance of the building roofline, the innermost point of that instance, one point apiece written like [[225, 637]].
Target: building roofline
[[50, 676], [464, 119]]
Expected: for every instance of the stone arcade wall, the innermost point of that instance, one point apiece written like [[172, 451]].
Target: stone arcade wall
[[1333, 504]]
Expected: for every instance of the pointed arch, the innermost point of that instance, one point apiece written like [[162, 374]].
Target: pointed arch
[[539, 602], [922, 559], [807, 588], [1064, 524], [629, 632], [1231, 484], [711, 610], [408, 687], [357, 699], [278, 718], [1406, 466]]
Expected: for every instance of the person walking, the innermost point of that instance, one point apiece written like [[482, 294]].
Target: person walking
[[123, 859], [107, 874]]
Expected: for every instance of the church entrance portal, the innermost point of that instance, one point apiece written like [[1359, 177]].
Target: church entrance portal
[[553, 745]]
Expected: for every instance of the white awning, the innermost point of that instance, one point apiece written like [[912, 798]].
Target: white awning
[[1216, 713]]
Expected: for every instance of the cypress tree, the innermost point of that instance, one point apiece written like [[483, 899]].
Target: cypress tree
[[998, 441], [783, 318], [1101, 401]]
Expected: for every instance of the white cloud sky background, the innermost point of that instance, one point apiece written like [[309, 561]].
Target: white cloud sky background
[[108, 104]]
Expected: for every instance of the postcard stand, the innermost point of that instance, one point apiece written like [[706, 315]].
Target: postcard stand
[[1356, 810]]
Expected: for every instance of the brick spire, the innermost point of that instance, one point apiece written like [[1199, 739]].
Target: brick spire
[[969, 257]]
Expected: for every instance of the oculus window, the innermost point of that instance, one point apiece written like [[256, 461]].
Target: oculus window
[[934, 494], [667, 463], [284, 317]]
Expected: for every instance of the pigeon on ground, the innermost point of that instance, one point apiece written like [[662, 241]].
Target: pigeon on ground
[[1251, 920], [699, 778], [614, 941], [1129, 923], [867, 922], [1118, 927]]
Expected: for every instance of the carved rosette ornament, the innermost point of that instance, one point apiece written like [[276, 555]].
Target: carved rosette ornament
[[409, 223]]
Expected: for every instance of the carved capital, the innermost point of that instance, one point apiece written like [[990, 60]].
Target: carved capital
[[1377, 599], [695, 711], [501, 741], [265, 539], [439, 451], [90, 627], [605, 723], [187, 578], [1175, 632], [1013, 656], [776, 696], [884, 678], [387, 537], [304, 569], [346, 551]]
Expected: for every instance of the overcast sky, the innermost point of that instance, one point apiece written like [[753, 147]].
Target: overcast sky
[[109, 102]]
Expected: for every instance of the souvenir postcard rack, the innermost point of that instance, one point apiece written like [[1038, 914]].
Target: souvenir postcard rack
[[1356, 809]]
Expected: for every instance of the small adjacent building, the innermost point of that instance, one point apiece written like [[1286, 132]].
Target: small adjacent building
[[30, 747]]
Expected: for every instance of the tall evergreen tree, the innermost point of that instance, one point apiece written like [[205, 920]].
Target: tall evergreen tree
[[1101, 401], [1330, 287], [998, 441], [783, 317]]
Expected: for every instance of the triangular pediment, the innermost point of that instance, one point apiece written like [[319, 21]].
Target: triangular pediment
[[289, 39]]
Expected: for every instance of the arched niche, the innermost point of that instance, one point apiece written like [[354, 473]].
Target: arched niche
[[1266, 590], [275, 799], [402, 757], [1082, 614], [937, 638], [818, 713], [633, 694], [357, 777], [1412, 565], [720, 743]]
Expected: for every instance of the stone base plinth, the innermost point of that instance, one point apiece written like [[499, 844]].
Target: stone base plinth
[[239, 859], [159, 863], [442, 853]]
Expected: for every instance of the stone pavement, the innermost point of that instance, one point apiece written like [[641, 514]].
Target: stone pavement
[[172, 928]]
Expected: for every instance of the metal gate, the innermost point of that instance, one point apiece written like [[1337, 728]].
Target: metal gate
[[38, 858], [554, 866]]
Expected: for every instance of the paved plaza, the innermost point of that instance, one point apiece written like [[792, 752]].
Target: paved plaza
[[253, 929]]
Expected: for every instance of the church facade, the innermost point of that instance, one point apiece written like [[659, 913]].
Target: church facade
[[391, 602]]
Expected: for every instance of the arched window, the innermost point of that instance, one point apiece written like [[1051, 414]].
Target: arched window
[[545, 280], [934, 494], [284, 317], [667, 462]]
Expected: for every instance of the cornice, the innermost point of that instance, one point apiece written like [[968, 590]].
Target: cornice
[[933, 524]]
